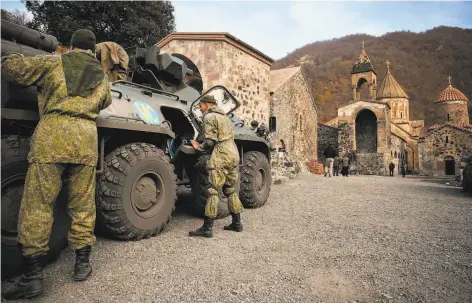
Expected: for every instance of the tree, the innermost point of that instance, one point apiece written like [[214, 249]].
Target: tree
[[15, 16], [128, 23]]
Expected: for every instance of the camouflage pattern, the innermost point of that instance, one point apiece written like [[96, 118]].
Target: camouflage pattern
[[114, 60], [43, 184], [223, 163], [67, 132]]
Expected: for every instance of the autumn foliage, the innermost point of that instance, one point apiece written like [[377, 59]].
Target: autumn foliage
[[421, 63]]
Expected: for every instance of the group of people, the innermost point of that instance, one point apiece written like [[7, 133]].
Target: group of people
[[334, 163], [74, 88], [403, 167]]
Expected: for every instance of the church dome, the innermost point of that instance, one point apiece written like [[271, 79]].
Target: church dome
[[390, 87], [451, 94]]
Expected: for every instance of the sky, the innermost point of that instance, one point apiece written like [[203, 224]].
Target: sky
[[279, 27]]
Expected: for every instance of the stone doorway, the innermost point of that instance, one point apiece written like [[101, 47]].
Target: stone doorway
[[366, 132], [450, 166]]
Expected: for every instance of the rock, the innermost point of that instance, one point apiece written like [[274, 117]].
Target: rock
[[387, 296]]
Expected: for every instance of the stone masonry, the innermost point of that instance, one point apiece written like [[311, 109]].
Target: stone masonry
[[295, 110], [452, 111], [447, 140], [224, 60], [326, 134]]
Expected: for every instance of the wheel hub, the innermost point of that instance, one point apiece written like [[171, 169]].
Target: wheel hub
[[146, 191]]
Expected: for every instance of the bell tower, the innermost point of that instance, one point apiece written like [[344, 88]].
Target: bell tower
[[363, 73]]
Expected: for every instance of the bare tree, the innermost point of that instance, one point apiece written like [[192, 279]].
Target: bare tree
[[16, 16]]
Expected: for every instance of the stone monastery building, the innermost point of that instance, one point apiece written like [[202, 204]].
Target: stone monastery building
[[377, 130], [443, 146]]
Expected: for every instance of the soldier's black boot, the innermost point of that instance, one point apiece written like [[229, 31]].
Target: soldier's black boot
[[236, 224], [30, 283], [205, 231], [82, 270]]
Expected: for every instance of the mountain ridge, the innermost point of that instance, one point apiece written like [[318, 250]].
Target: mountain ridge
[[420, 62]]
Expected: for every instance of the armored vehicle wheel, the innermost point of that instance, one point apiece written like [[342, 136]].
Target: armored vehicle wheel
[[136, 194], [200, 186], [14, 167], [256, 180]]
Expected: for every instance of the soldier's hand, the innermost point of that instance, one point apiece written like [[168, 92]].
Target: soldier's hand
[[195, 144]]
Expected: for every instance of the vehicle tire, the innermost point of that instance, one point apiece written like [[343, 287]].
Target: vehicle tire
[[14, 168], [256, 180], [200, 184], [137, 192]]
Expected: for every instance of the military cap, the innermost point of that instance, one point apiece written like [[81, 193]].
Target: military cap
[[84, 39], [208, 99]]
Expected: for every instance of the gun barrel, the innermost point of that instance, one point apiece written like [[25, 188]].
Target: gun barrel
[[28, 37], [10, 46]]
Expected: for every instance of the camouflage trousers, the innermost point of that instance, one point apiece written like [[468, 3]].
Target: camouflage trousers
[[223, 179], [42, 186]]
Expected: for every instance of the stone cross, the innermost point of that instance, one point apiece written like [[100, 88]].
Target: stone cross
[[449, 78], [388, 65]]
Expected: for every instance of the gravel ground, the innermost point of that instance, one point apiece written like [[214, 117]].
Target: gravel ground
[[356, 239]]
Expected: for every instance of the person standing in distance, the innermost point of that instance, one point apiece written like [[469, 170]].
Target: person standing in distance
[[223, 166], [330, 154], [73, 90], [391, 167]]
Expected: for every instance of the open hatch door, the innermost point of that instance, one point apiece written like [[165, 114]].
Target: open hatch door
[[225, 100]]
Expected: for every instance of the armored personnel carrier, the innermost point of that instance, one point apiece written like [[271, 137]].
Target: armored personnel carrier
[[144, 147]]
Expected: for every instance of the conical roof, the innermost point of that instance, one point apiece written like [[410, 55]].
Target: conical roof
[[390, 87], [362, 63], [451, 94]]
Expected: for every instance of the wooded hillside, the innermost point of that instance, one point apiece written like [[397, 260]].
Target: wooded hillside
[[420, 62]]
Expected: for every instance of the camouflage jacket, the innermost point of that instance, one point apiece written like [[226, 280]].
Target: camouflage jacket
[[67, 131], [217, 127]]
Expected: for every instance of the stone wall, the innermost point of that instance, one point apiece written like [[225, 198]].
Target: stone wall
[[442, 142], [369, 164], [346, 137], [221, 63], [452, 111], [326, 135], [297, 120], [283, 167], [397, 152], [400, 109]]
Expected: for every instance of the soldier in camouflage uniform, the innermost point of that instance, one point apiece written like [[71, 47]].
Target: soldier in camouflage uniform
[[73, 90], [223, 166]]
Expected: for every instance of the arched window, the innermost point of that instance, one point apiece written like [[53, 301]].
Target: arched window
[[447, 139], [401, 115], [395, 154], [448, 117], [391, 154]]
